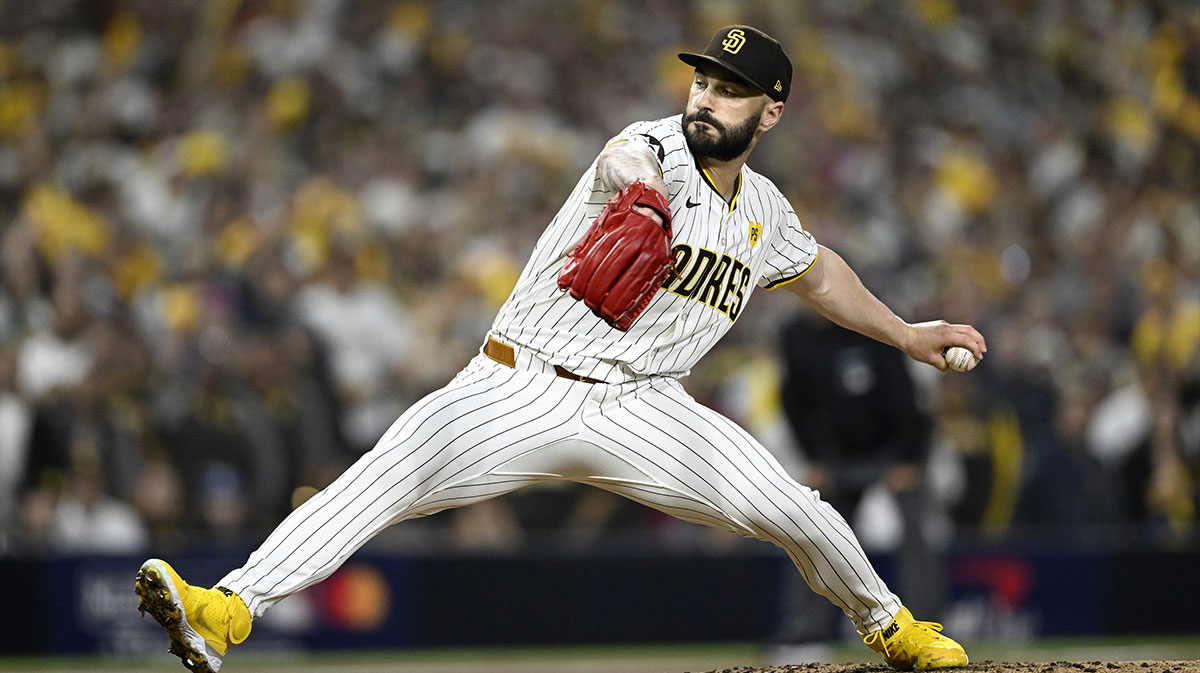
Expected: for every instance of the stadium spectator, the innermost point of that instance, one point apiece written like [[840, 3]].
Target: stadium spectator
[[179, 180]]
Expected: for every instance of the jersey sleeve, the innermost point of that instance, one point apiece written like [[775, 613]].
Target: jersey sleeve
[[792, 252]]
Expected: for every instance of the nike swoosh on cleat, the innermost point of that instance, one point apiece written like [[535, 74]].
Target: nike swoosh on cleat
[[199, 620]]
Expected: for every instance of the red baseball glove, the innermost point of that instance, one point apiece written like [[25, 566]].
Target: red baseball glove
[[623, 258]]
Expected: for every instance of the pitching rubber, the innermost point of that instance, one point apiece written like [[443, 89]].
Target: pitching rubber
[[158, 596]]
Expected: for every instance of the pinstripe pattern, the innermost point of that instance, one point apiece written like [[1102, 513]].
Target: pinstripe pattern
[[454, 437], [648, 441], [494, 429], [690, 449]]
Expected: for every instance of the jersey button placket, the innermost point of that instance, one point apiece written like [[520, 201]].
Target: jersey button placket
[[728, 222]]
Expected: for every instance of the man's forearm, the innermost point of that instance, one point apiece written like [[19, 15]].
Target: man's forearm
[[624, 163], [835, 291]]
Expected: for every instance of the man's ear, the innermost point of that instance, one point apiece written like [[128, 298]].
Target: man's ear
[[770, 115]]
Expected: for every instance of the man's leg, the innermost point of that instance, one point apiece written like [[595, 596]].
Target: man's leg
[[702, 467], [699, 466], [439, 455], [444, 452]]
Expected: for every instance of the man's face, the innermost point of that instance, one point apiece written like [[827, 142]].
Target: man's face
[[722, 114]]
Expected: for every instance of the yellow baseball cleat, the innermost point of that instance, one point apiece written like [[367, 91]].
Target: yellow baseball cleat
[[201, 623], [906, 644]]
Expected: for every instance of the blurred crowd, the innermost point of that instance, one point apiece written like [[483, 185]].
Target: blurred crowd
[[240, 237]]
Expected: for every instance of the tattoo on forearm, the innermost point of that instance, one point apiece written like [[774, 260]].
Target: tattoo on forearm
[[622, 165]]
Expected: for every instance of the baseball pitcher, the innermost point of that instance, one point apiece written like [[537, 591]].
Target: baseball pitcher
[[647, 265]]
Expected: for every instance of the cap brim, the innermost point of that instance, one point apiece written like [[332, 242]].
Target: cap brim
[[696, 60]]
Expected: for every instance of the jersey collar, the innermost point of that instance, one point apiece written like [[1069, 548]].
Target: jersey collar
[[737, 187]]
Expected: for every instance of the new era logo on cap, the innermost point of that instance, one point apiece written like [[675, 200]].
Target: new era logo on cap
[[750, 54]]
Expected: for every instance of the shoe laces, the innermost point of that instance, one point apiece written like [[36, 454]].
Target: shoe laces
[[927, 632]]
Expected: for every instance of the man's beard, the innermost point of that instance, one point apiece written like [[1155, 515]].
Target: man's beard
[[729, 144]]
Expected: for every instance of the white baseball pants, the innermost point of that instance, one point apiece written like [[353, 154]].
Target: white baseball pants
[[495, 429]]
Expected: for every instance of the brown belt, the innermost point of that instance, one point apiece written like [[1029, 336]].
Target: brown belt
[[505, 355]]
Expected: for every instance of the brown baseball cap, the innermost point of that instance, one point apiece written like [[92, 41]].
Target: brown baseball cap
[[750, 54]]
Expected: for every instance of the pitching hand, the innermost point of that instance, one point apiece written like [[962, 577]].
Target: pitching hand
[[925, 341]]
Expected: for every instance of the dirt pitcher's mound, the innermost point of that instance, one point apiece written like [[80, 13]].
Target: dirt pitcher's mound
[[997, 667]]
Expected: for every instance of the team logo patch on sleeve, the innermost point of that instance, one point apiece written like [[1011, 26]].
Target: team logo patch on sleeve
[[755, 233], [657, 145]]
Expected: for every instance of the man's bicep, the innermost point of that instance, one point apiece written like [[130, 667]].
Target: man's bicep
[[812, 281]]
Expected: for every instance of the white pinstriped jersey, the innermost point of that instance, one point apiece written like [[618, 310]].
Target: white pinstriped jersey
[[722, 251]]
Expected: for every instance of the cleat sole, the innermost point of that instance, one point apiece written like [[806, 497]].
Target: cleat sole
[[154, 598]]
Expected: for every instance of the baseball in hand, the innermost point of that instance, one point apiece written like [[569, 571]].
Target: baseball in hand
[[960, 359]]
